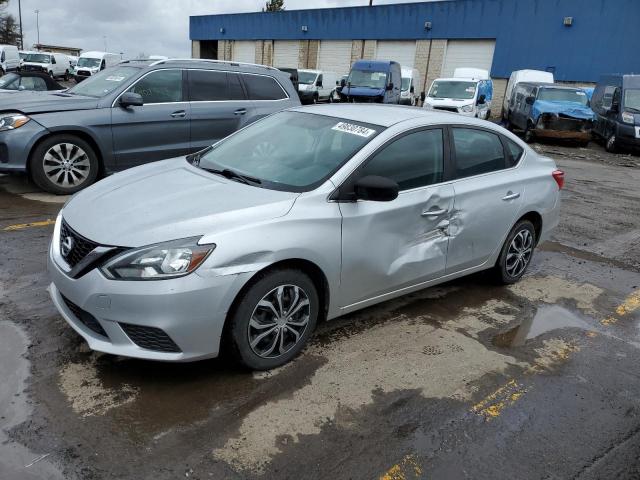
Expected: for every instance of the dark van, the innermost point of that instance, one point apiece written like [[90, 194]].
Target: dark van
[[372, 81], [616, 103]]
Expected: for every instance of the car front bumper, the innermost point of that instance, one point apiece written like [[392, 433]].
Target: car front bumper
[[15, 146], [189, 310]]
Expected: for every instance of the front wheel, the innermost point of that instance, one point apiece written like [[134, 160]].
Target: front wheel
[[529, 137], [66, 75], [611, 145], [516, 253], [273, 319], [63, 164]]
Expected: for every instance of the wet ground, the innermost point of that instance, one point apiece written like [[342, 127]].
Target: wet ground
[[466, 380]]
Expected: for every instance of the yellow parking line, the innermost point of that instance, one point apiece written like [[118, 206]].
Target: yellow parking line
[[22, 226], [407, 468], [631, 304], [493, 404]]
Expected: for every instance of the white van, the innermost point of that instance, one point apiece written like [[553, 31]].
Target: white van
[[518, 76], [469, 92], [91, 63], [316, 85], [9, 58], [410, 81], [55, 64]]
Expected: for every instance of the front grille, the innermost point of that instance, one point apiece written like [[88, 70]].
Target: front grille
[[150, 338], [73, 246], [447, 109], [85, 317], [83, 73]]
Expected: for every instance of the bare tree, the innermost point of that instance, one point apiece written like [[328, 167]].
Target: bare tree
[[273, 6], [9, 28]]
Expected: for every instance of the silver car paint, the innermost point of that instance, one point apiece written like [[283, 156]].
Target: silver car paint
[[367, 251]]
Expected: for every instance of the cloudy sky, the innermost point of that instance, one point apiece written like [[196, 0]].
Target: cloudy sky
[[154, 27]]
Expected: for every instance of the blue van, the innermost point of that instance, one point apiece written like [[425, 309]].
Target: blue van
[[372, 81]]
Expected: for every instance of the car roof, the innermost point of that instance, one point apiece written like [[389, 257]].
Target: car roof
[[204, 64], [383, 115], [548, 85]]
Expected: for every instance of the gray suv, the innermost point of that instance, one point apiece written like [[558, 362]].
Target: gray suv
[[134, 113]]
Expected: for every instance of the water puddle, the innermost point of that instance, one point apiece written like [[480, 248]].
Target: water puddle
[[546, 319]]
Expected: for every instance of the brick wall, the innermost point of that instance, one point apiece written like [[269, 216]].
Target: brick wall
[[195, 49], [308, 54], [357, 47], [369, 49]]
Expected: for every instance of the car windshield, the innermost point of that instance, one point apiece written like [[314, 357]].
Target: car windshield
[[291, 151], [453, 89], [405, 84], [38, 58], [306, 78], [104, 82], [632, 99], [23, 55], [10, 81], [367, 78], [563, 95], [88, 62]]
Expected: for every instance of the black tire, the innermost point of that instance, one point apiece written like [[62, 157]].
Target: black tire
[[488, 115], [66, 75], [246, 307], [502, 271], [51, 73], [316, 99], [611, 144], [2, 72], [507, 124], [529, 136], [87, 165]]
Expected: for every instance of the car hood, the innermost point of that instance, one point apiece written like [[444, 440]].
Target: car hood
[[169, 200], [363, 91], [449, 102], [570, 109], [42, 102]]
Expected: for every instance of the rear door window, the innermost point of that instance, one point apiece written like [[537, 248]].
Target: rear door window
[[477, 152], [261, 87], [208, 86]]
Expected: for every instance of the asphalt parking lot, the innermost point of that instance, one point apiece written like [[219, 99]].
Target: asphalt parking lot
[[539, 380]]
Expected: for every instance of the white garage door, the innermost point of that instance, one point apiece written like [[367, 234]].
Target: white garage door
[[335, 56], [285, 53], [402, 52], [244, 51], [468, 53]]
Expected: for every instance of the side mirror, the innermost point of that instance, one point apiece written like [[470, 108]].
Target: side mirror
[[390, 86], [530, 100], [130, 99], [337, 83], [412, 89], [343, 82], [481, 100], [615, 105], [376, 189]]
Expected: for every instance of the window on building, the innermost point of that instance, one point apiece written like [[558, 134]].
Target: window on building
[[260, 87], [476, 152], [161, 86], [415, 160]]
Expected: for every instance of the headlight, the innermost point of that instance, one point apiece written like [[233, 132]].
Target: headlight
[[158, 262], [12, 121], [467, 108], [627, 117]]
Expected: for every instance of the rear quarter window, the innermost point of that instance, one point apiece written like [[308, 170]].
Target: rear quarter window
[[514, 152], [261, 87]]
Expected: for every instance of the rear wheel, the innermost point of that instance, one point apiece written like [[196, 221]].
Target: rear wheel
[[273, 319], [63, 164], [516, 253]]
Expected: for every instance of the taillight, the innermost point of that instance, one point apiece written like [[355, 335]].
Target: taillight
[[558, 176]]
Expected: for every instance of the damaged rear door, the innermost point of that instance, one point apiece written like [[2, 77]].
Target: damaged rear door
[[387, 246]]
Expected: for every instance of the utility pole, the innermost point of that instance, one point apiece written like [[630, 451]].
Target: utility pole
[[20, 20], [37, 12]]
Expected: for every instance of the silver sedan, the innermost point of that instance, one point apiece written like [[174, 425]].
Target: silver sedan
[[303, 216]]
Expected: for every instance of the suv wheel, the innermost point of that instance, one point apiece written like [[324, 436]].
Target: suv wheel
[[516, 253], [63, 164], [273, 319]]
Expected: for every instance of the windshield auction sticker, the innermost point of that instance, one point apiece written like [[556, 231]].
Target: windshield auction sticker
[[354, 129], [115, 78]]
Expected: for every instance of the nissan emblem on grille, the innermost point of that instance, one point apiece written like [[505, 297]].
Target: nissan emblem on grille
[[67, 245]]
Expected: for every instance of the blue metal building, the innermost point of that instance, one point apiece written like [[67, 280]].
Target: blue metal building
[[576, 39]]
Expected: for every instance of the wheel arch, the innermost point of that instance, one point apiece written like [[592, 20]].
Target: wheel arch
[[78, 133], [536, 219]]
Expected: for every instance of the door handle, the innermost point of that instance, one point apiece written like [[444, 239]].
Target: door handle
[[179, 114], [240, 111], [433, 213], [510, 196]]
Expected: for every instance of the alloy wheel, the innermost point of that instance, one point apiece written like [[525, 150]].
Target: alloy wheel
[[519, 253], [66, 165], [279, 321]]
